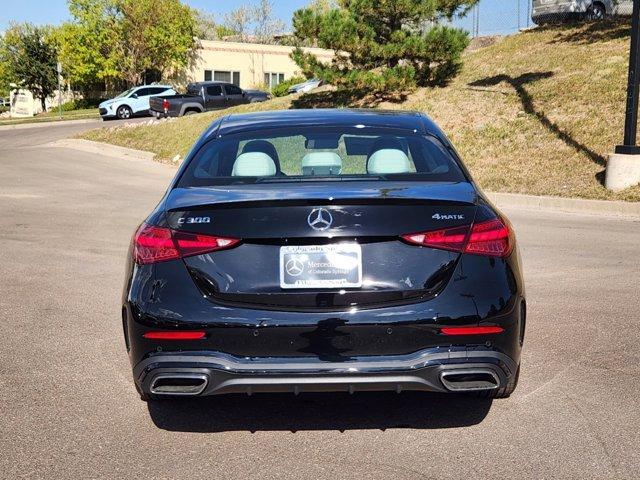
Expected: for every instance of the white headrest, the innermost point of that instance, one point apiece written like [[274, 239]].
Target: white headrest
[[254, 164], [387, 161], [321, 163]]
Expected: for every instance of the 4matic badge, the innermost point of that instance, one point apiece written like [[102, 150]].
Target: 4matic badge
[[439, 216]]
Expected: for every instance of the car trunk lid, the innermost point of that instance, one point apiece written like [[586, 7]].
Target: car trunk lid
[[365, 220]]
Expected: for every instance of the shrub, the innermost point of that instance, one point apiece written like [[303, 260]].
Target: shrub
[[80, 103], [282, 88]]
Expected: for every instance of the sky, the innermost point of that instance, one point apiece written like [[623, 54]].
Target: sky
[[55, 11], [496, 16]]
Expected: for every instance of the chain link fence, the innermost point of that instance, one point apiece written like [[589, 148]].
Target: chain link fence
[[504, 17], [497, 17]]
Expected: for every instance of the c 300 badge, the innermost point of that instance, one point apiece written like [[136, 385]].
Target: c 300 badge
[[189, 220]]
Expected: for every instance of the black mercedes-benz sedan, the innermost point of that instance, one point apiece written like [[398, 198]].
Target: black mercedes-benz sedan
[[323, 250]]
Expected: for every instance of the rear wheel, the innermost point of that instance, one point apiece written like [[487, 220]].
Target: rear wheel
[[596, 12], [504, 392], [124, 112], [191, 112]]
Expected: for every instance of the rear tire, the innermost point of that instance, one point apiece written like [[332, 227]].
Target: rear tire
[[124, 112], [504, 392], [190, 112], [596, 12]]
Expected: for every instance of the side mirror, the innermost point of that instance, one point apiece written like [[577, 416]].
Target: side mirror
[[135, 95], [244, 94]]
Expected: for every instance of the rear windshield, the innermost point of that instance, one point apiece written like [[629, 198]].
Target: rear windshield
[[320, 154]]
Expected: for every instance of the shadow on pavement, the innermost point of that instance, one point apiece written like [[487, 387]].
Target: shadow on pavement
[[319, 411]]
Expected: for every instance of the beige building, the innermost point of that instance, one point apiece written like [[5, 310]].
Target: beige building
[[248, 65]]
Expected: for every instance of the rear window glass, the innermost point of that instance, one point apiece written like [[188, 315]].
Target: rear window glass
[[321, 154]]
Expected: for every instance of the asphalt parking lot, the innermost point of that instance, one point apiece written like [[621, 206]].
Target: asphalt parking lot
[[68, 408]]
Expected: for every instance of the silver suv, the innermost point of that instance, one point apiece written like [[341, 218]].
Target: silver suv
[[550, 11]]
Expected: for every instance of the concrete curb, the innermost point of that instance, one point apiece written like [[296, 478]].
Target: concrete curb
[[630, 210], [104, 149], [565, 204], [21, 126]]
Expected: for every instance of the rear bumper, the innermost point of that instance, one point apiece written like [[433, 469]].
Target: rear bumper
[[158, 114], [435, 370]]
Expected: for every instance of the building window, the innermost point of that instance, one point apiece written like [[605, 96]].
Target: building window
[[222, 76], [272, 79]]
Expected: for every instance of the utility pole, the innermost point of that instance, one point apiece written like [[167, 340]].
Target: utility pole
[[518, 12], [631, 116], [623, 167]]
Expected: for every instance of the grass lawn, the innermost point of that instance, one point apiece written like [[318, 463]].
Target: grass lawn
[[54, 116], [537, 112]]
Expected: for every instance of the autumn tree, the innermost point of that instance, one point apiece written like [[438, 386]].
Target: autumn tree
[[254, 22]]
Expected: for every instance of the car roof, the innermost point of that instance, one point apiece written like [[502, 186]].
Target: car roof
[[212, 82], [400, 120], [153, 85]]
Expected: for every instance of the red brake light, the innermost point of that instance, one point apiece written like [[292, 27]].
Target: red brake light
[[491, 238], [471, 330], [446, 239], [157, 244], [153, 244], [174, 335], [165, 104]]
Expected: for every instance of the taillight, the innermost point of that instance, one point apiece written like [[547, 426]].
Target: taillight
[[446, 239], [157, 244], [491, 238], [165, 104]]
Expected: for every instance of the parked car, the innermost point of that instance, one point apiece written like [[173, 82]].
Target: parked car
[[202, 97], [134, 101], [323, 250], [554, 11], [305, 87]]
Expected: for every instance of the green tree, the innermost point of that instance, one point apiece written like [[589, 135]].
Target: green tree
[[154, 35], [4, 74], [28, 55], [122, 40], [88, 44], [382, 45]]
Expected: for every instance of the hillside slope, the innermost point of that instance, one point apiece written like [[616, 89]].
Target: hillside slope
[[535, 113]]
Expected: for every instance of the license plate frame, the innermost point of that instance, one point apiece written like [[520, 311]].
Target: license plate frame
[[332, 266]]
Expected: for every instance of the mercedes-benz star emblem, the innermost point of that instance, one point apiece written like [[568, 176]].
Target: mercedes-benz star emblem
[[320, 219], [294, 267]]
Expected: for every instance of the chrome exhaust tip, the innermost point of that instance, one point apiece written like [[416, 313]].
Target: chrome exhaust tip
[[469, 380], [188, 384]]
